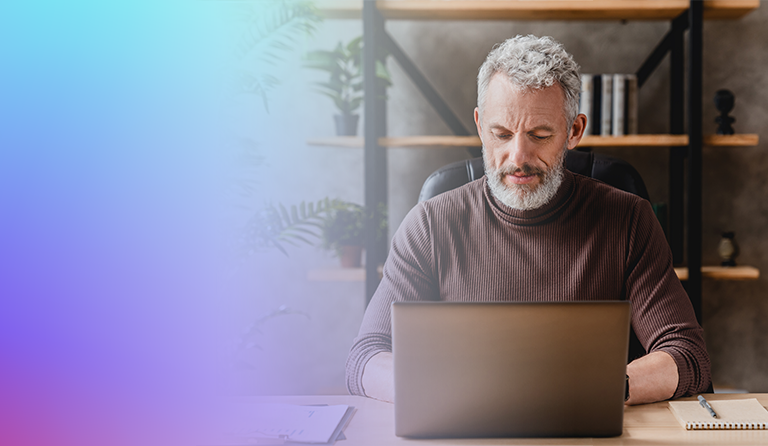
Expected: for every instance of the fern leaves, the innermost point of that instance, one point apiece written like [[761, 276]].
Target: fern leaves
[[272, 30], [276, 226]]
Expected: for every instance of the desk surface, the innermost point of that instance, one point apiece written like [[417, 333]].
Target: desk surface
[[651, 424]]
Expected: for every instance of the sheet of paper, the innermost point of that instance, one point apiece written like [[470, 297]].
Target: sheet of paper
[[731, 414], [287, 422]]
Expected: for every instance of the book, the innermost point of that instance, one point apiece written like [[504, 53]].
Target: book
[[731, 414], [619, 102], [606, 105], [630, 115], [597, 100], [585, 101]]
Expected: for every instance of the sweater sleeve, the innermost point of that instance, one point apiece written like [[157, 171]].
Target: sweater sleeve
[[408, 275], [662, 314]]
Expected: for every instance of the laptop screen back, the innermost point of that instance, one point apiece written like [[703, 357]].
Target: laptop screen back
[[553, 369]]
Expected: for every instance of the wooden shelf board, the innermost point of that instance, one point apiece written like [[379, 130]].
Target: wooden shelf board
[[352, 142], [431, 141], [339, 274], [741, 140], [729, 9], [712, 272], [723, 272], [340, 9], [635, 141], [336, 274], [537, 10]]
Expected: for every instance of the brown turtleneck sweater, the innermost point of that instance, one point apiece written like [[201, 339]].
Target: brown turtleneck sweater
[[590, 242]]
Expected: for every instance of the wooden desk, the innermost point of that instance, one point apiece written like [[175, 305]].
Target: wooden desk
[[652, 424]]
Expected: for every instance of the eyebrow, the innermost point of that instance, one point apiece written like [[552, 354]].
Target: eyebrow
[[538, 127]]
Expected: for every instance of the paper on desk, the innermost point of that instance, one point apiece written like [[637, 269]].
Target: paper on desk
[[287, 422], [731, 414]]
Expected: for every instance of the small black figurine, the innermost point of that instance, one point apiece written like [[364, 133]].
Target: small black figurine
[[724, 102], [728, 249]]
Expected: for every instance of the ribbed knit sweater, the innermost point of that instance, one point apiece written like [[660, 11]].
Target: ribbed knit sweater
[[590, 242]]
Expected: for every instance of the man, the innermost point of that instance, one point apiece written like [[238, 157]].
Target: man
[[532, 231]]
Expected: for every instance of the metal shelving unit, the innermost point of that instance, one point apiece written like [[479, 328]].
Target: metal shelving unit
[[685, 148]]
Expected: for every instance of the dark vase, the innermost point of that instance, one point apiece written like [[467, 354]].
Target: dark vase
[[728, 249], [346, 125]]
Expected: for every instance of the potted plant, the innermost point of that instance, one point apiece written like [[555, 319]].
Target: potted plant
[[345, 84], [277, 226], [344, 229]]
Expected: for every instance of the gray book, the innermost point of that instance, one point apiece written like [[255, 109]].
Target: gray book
[[585, 101], [606, 105], [619, 102]]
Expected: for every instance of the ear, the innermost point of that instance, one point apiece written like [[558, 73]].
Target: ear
[[477, 124], [577, 131]]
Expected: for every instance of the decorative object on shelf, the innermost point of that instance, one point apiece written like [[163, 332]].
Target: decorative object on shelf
[[346, 124], [344, 228], [350, 256], [724, 101], [345, 86], [728, 249]]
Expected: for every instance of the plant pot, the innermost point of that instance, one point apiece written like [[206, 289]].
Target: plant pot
[[351, 256], [346, 125]]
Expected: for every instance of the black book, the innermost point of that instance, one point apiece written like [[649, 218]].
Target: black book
[[597, 99]]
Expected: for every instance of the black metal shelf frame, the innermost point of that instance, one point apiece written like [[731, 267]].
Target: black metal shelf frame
[[685, 163]]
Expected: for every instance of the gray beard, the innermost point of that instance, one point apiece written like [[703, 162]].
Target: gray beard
[[523, 197]]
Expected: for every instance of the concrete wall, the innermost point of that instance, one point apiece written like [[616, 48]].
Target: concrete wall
[[449, 53]]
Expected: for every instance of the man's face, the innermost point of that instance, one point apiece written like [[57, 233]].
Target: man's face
[[525, 136]]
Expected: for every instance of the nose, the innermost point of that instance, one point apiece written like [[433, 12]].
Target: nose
[[519, 151]]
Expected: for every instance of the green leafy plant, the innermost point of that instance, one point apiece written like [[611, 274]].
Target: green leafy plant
[[271, 31], [276, 226], [345, 68], [346, 224], [332, 223]]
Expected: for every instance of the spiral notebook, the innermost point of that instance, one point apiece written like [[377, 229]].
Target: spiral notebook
[[731, 414]]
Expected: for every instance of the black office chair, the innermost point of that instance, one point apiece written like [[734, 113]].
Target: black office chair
[[613, 171]]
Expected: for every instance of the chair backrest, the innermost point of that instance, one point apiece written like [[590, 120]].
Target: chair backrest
[[612, 171]]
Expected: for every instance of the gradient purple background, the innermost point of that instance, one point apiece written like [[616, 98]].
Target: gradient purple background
[[110, 235]]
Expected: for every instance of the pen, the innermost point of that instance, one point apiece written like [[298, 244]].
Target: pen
[[706, 405]]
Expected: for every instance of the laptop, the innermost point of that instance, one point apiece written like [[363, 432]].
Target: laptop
[[543, 369]]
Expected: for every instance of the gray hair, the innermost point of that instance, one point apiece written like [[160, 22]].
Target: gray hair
[[533, 63]]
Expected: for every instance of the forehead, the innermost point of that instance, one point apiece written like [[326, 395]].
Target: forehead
[[506, 101]]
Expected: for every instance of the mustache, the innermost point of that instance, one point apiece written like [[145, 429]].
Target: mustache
[[525, 169]]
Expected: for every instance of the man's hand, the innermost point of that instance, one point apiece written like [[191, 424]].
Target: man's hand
[[652, 378], [379, 378]]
